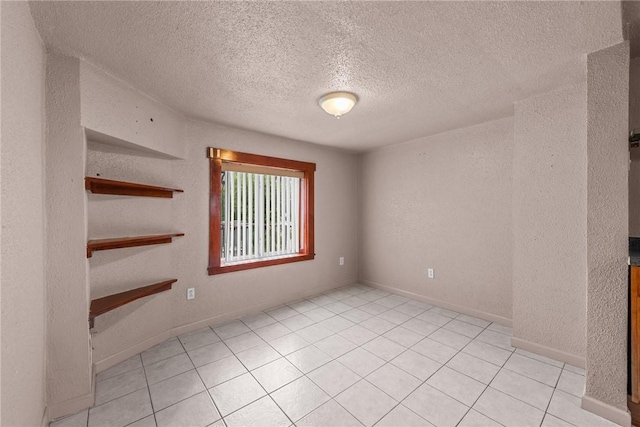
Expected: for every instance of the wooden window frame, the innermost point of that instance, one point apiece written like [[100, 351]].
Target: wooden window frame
[[216, 157]]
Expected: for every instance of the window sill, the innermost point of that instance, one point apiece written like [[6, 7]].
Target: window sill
[[258, 264]]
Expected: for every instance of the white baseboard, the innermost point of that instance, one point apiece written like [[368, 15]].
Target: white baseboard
[[72, 406], [45, 418], [460, 309], [123, 355], [226, 317], [552, 353], [611, 413]]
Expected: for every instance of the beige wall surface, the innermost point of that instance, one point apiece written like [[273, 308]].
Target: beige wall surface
[[113, 108], [550, 219], [22, 247], [236, 293], [68, 348], [218, 298], [607, 226], [634, 173], [446, 202], [124, 269], [634, 94], [442, 202], [222, 297]]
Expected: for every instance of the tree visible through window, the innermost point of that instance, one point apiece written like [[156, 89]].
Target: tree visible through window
[[261, 211]]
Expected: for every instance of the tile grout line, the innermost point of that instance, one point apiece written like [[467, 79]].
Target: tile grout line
[[517, 398], [206, 390], [338, 332], [421, 384], [256, 380], [486, 386], [361, 346], [470, 407], [336, 359], [173, 376], [153, 411], [361, 377], [124, 395], [398, 402], [311, 344]]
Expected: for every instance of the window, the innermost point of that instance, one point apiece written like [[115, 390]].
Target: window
[[260, 212]]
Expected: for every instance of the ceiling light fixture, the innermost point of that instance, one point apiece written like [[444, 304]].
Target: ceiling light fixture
[[338, 103]]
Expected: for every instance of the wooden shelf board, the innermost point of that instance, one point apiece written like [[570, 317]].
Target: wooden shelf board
[[105, 304], [108, 186], [128, 242]]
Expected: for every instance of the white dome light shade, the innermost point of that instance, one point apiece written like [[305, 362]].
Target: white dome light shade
[[338, 103]]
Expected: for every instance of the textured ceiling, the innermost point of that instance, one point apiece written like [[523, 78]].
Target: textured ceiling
[[419, 68]]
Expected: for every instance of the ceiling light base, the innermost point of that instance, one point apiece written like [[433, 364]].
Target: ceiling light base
[[338, 103]]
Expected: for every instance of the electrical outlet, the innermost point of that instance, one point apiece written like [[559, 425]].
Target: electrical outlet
[[191, 293], [341, 260], [431, 273]]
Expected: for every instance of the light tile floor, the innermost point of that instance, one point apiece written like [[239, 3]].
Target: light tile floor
[[354, 356]]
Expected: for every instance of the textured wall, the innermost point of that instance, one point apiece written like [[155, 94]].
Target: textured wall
[[68, 350], [550, 219], [442, 202], [22, 247], [217, 297], [123, 269], [607, 224], [634, 173], [634, 93], [336, 224], [111, 107]]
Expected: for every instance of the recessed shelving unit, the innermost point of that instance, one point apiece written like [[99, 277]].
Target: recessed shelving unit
[[108, 186], [105, 304], [129, 242]]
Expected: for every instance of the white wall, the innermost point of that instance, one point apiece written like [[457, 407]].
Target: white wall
[[634, 93], [124, 269], [122, 148], [222, 297], [225, 296], [442, 202], [22, 243], [449, 196], [117, 113], [550, 222], [69, 380], [82, 99], [607, 231]]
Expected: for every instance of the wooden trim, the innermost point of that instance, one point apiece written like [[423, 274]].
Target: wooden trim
[[128, 242], [105, 304], [260, 170], [635, 334], [634, 409], [108, 186], [256, 159], [257, 264], [309, 209], [216, 157], [215, 213]]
